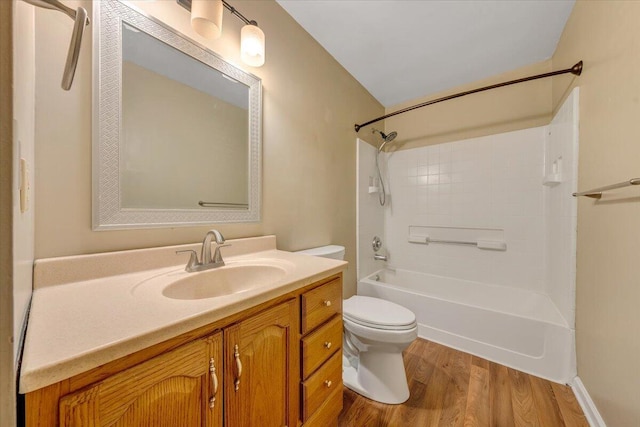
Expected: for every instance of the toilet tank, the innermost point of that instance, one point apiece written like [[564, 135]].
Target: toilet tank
[[330, 251]]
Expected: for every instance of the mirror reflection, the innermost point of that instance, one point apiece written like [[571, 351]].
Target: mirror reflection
[[184, 130]]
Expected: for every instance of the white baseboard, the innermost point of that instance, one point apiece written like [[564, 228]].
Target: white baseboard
[[587, 405]]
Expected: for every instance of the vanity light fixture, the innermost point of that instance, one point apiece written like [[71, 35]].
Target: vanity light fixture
[[206, 17], [252, 45], [206, 20]]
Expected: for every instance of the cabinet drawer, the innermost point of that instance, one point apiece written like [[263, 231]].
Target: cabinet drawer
[[328, 413], [319, 304], [320, 385], [319, 345]]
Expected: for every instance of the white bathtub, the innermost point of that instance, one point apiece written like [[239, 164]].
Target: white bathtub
[[516, 328]]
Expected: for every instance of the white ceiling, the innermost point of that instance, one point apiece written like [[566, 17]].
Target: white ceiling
[[405, 49]]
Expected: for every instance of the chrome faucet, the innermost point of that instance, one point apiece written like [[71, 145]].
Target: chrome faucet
[[379, 257], [205, 255], [206, 262]]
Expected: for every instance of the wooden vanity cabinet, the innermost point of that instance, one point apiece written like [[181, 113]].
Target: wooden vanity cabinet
[[259, 391], [176, 388], [248, 363]]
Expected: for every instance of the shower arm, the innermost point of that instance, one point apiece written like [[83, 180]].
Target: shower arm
[[576, 70], [81, 20]]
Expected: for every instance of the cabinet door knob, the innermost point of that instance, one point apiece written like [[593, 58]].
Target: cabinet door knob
[[327, 344], [326, 303], [328, 383], [214, 382]]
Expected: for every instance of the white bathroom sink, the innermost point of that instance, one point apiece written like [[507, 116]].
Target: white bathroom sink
[[236, 276], [230, 279]]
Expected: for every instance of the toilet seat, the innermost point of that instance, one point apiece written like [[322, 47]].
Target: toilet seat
[[379, 326], [378, 314]]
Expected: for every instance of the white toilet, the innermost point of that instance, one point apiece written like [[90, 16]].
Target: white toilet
[[376, 332]]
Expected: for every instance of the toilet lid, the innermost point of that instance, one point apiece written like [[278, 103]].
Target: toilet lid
[[377, 313]]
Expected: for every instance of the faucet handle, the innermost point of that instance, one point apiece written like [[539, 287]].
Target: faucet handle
[[193, 259], [217, 257]]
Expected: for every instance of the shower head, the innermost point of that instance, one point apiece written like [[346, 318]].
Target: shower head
[[385, 137]]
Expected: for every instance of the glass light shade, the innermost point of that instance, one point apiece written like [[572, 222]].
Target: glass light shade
[[252, 45], [206, 17]]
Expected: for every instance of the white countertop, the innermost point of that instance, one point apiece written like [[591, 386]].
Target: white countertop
[[82, 324]]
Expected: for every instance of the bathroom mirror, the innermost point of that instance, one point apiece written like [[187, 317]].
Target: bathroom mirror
[[176, 129]]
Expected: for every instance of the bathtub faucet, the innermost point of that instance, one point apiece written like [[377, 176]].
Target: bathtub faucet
[[379, 257]]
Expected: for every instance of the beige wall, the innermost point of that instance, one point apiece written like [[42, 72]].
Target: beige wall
[[7, 373], [310, 104], [606, 35], [499, 110]]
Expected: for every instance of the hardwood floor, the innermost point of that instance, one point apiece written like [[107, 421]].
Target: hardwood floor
[[452, 388]]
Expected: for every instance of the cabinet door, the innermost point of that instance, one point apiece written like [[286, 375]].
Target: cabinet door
[[173, 389], [261, 364]]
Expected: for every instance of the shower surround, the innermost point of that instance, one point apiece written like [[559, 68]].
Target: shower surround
[[516, 185]]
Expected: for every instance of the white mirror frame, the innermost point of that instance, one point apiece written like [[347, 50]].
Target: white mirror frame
[[108, 213]]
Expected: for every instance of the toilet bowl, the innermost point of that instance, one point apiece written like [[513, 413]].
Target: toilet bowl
[[375, 334]]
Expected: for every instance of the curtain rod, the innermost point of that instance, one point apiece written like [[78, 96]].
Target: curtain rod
[[575, 70]]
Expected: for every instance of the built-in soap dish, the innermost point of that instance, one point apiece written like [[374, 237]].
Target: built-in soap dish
[[554, 177], [374, 185]]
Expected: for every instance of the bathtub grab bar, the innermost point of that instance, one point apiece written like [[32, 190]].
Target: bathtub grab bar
[[596, 193], [496, 245], [451, 242]]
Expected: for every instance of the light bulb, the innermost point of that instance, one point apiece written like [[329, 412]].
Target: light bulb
[[252, 45]]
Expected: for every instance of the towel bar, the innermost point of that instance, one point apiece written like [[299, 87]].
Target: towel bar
[[596, 193]]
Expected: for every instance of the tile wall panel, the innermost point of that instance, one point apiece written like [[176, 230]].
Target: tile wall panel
[[494, 182]]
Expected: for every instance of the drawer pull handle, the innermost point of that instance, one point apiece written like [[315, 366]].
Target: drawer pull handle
[[236, 355], [328, 383], [326, 303], [214, 382], [327, 344]]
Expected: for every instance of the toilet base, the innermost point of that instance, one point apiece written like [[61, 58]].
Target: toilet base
[[350, 381], [389, 385]]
